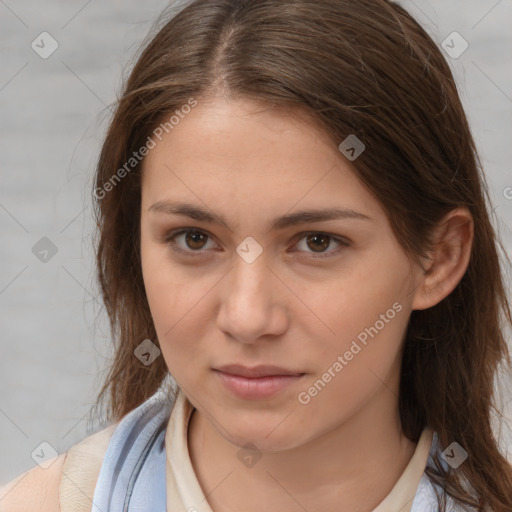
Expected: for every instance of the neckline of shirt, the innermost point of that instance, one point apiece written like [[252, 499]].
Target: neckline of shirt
[[183, 488]]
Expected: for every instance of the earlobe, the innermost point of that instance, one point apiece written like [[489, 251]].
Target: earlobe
[[449, 259]]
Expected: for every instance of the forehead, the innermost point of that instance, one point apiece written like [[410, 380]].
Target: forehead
[[233, 131], [248, 154]]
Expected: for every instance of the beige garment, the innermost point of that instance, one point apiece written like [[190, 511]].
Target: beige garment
[[83, 463], [81, 469], [184, 491]]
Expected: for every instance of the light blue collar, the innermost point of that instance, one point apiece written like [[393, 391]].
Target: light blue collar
[[132, 476]]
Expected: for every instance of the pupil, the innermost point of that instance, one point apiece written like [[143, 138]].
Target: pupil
[[317, 237], [194, 237]]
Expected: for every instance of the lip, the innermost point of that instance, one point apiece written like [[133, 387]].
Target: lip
[[271, 380], [262, 370]]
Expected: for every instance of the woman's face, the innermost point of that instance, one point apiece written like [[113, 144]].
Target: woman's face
[[329, 299]]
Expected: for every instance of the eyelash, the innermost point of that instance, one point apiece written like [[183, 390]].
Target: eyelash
[[170, 241]]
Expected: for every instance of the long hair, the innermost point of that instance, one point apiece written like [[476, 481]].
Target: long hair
[[358, 67]]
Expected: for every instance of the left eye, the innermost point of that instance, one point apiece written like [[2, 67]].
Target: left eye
[[321, 241]]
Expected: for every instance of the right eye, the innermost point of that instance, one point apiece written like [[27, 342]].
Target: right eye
[[193, 240]]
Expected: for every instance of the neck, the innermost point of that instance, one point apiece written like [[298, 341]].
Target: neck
[[356, 464]]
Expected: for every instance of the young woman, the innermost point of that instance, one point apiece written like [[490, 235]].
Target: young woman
[[294, 225]]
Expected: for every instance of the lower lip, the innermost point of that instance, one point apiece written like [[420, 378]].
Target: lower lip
[[257, 387]]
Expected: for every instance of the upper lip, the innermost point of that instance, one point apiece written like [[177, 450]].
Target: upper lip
[[263, 370]]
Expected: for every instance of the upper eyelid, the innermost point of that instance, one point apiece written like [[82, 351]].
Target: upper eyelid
[[181, 231]]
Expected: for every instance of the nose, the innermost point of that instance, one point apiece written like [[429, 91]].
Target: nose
[[252, 302]]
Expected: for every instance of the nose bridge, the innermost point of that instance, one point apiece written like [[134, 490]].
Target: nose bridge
[[250, 307], [250, 278]]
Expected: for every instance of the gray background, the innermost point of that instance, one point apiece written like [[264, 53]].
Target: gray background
[[54, 333]]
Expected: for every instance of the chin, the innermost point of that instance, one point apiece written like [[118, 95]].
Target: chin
[[263, 437]]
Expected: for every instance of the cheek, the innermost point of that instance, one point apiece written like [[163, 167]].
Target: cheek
[[167, 284], [165, 288], [173, 316], [362, 355], [355, 299], [178, 303], [364, 315]]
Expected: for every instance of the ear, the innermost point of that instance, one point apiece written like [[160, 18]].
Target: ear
[[448, 259]]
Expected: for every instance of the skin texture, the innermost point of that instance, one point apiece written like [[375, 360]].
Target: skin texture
[[251, 163]]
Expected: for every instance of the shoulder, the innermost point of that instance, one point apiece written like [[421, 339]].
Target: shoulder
[[43, 489], [36, 489]]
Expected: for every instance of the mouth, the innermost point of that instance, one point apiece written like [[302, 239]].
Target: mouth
[[256, 383], [263, 370]]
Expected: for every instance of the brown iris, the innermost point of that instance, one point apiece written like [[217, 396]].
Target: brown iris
[[319, 238], [195, 239]]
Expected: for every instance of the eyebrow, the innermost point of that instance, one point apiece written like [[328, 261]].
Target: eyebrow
[[291, 219]]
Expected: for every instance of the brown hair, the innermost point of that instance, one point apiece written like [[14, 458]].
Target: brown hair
[[362, 67]]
